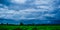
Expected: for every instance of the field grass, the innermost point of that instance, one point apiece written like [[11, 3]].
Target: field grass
[[48, 27]]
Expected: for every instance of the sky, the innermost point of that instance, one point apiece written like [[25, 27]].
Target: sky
[[19, 10]]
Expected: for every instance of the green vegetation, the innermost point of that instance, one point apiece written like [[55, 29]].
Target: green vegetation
[[10, 27], [28, 27]]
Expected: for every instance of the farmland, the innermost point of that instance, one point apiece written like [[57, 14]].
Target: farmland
[[23, 27]]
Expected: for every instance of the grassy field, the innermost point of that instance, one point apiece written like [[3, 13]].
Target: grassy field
[[10, 27]]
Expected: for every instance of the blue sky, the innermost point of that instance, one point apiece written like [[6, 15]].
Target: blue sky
[[29, 9]]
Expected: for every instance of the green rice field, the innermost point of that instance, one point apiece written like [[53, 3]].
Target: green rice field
[[48, 27]]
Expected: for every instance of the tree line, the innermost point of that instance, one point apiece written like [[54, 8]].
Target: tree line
[[33, 24]]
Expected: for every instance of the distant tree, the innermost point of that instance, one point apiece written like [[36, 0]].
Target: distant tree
[[21, 23], [7, 24], [1, 23], [43, 24], [33, 24]]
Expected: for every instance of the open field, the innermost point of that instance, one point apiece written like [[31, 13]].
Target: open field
[[10, 27]]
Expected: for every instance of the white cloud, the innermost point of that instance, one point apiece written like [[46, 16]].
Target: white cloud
[[1, 4], [59, 6], [19, 1], [29, 13], [43, 2], [49, 15], [23, 14]]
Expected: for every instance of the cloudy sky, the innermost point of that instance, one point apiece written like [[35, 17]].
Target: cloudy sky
[[30, 9]]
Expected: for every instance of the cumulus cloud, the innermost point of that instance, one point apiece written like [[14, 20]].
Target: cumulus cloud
[[59, 6], [29, 13], [19, 1], [50, 2], [22, 14]]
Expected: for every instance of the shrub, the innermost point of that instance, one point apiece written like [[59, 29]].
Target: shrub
[[3, 29], [35, 28], [56, 29], [17, 29], [26, 29]]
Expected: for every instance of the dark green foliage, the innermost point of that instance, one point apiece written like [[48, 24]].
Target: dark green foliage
[[20, 29], [56, 29], [2, 24], [26, 29], [17, 29], [21, 23], [30, 27], [34, 28], [3, 29]]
